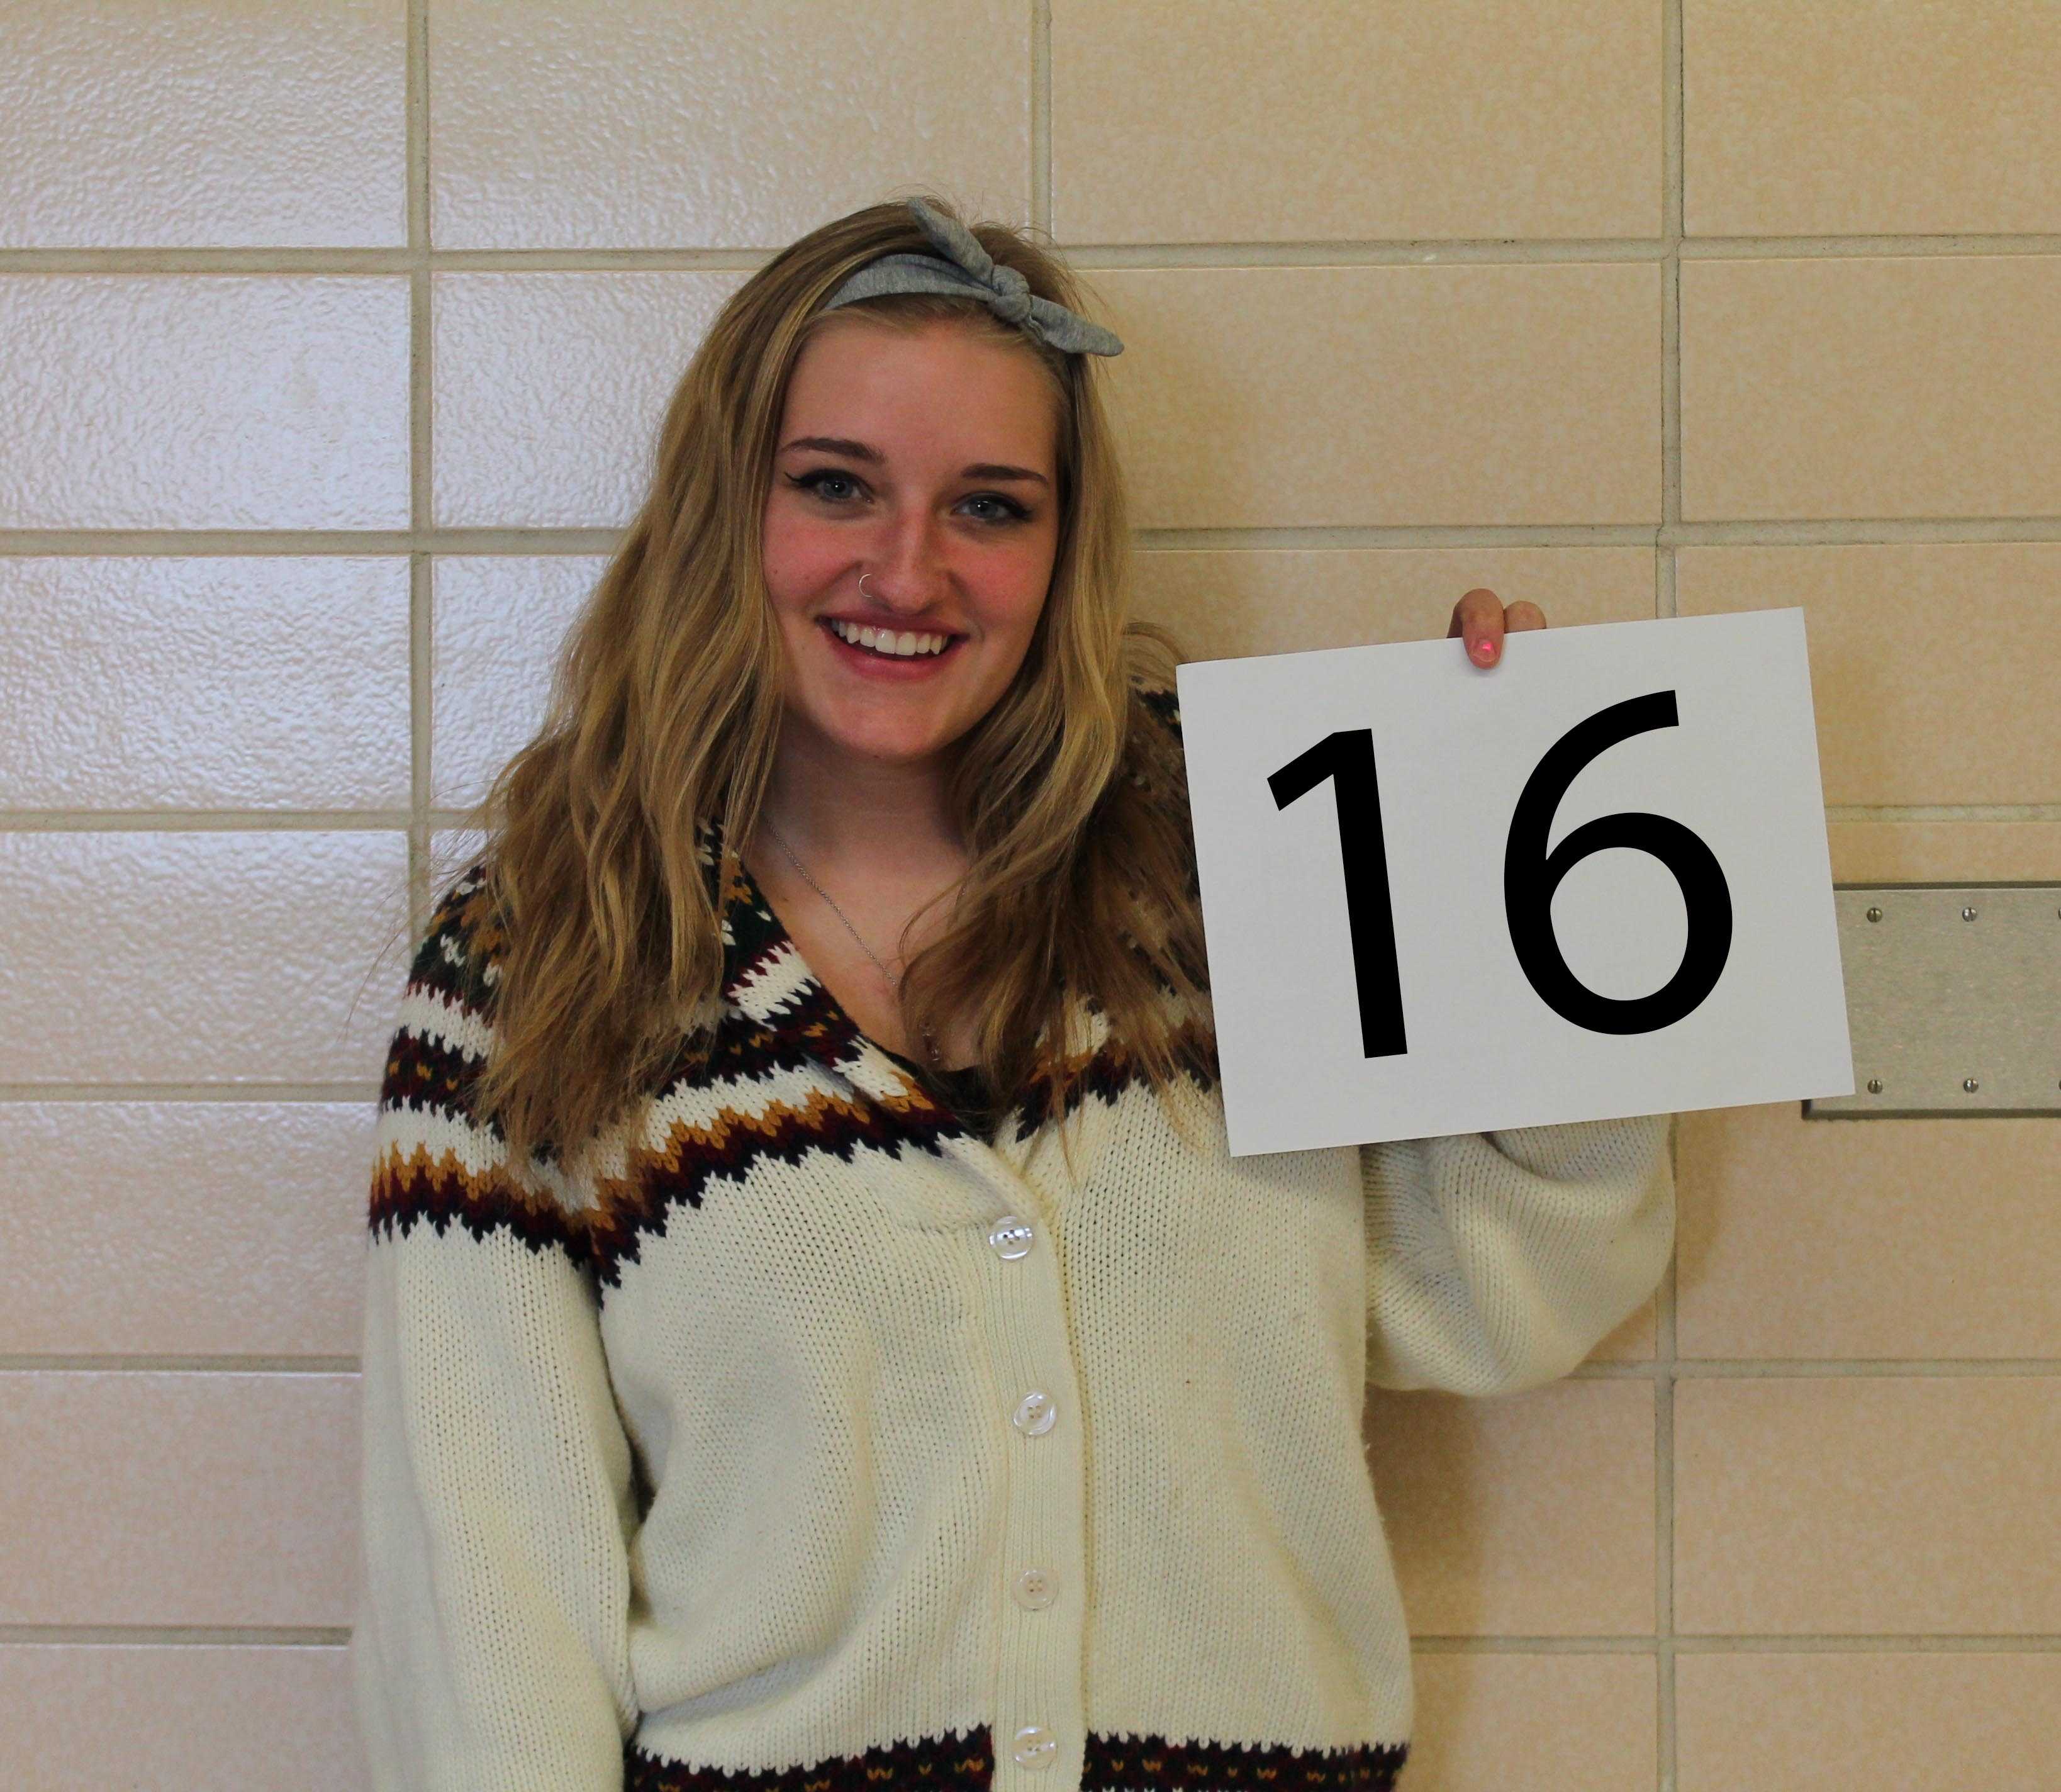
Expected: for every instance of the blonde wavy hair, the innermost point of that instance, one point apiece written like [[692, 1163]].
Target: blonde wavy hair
[[665, 707]]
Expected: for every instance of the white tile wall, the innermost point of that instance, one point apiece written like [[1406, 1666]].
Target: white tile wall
[[332, 339]]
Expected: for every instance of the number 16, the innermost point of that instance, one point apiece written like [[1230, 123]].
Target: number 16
[[1530, 875]]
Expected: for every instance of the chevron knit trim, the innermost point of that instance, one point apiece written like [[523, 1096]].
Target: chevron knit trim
[[1114, 1762], [760, 1113], [1164, 703], [1118, 1760], [438, 1159], [959, 1762], [685, 1162], [760, 1096]]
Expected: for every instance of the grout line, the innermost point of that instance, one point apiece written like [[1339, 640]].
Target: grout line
[[1662, 1372], [600, 540], [1975, 1643], [1678, 1368], [1866, 531], [379, 820], [1041, 116], [180, 1636], [1943, 811], [432, 817], [360, 543], [358, 1094], [172, 1636], [1320, 252], [1673, 203], [166, 1363], [205, 821], [421, 497], [421, 659]]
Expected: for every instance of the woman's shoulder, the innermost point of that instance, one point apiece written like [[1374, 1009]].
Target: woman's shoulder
[[1153, 657], [1154, 753], [1162, 702], [458, 954]]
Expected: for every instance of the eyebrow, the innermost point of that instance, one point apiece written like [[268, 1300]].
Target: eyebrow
[[858, 450]]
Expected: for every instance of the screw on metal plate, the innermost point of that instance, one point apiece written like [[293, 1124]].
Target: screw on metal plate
[[1953, 995]]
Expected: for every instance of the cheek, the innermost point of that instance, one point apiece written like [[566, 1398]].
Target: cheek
[[1033, 593], [1011, 627], [798, 557], [1019, 584]]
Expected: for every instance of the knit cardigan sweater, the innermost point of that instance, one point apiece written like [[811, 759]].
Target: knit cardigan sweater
[[812, 1442]]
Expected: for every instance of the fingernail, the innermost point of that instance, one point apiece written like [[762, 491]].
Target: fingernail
[[1485, 649]]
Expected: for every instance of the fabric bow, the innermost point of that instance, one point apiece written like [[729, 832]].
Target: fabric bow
[[961, 266]]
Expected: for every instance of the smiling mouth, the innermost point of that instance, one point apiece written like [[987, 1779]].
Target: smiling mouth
[[923, 655]]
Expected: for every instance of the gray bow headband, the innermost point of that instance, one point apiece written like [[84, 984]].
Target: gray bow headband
[[968, 270]]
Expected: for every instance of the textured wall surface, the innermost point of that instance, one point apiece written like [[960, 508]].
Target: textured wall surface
[[336, 334]]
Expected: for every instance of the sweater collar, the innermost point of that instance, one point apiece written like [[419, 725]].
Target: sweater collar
[[765, 977]]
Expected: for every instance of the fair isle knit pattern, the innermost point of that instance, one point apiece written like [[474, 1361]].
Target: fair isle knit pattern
[[810, 1442]]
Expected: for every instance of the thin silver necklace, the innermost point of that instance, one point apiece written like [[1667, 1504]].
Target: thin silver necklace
[[894, 978]]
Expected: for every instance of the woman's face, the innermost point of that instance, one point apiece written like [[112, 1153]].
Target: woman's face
[[925, 461]]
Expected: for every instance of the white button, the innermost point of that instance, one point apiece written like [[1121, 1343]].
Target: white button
[[1011, 1236], [1035, 1413], [1033, 1589], [1035, 1746]]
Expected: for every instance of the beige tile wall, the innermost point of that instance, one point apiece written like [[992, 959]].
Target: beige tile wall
[[336, 332]]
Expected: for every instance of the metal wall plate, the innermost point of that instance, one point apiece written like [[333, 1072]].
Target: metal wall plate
[[1953, 1000]]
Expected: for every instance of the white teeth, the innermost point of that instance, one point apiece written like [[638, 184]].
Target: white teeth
[[904, 646]]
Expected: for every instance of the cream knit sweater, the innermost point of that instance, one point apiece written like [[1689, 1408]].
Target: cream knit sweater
[[812, 1442]]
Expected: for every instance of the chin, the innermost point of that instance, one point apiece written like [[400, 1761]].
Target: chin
[[898, 752], [891, 729], [892, 746]]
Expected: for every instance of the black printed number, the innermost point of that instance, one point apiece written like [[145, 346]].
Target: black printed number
[[1346, 759], [1531, 876]]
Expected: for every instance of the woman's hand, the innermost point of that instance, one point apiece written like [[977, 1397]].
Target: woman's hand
[[1481, 619]]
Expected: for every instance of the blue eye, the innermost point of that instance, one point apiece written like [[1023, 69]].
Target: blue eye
[[1011, 510], [813, 483]]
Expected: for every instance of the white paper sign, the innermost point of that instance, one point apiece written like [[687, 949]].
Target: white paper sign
[[1589, 881]]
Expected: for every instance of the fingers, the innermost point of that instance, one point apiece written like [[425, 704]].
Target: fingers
[[1480, 621], [1477, 619]]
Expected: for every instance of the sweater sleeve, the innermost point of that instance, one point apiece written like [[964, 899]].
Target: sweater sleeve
[[1497, 1261], [490, 1648]]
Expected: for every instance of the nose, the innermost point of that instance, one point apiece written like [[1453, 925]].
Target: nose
[[906, 573]]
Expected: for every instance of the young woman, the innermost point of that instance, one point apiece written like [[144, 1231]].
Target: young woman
[[815, 1334]]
